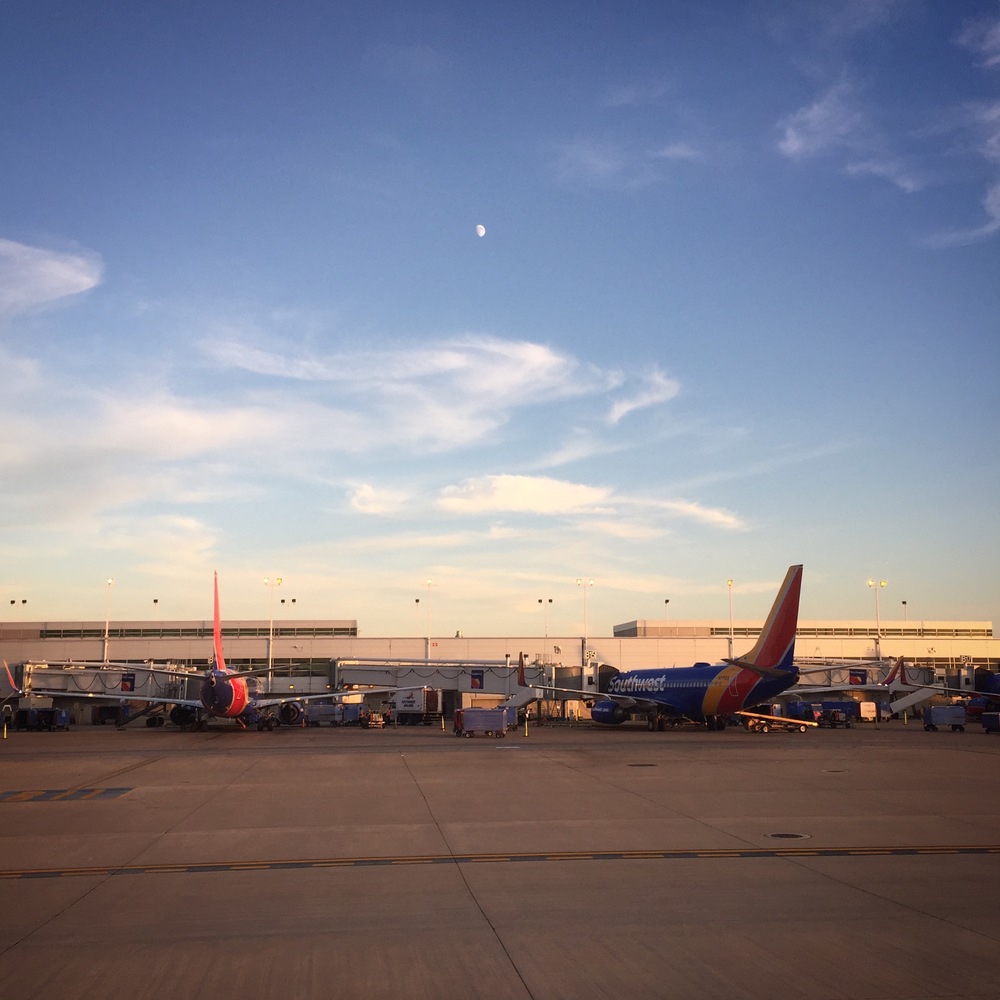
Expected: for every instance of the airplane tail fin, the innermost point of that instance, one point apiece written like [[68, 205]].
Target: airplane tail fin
[[520, 672], [897, 674], [219, 661], [10, 680], [775, 647]]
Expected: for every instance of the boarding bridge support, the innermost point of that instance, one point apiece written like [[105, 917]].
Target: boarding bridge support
[[912, 699], [521, 697]]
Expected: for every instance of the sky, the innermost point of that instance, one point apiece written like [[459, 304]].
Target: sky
[[736, 307]]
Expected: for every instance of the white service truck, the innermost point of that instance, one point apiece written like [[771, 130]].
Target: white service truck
[[418, 706]]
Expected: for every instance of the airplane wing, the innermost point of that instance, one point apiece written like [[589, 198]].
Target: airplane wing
[[117, 698], [625, 700]]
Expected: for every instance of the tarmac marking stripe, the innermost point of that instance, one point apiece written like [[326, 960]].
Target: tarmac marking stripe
[[62, 794], [446, 859]]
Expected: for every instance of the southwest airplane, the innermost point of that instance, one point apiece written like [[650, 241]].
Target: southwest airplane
[[706, 692], [224, 694]]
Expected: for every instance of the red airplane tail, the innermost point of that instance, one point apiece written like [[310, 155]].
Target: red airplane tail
[[219, 661], [898, 673], [520, 671]]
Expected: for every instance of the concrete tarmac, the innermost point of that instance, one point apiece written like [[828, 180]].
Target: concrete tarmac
[[572, 863]]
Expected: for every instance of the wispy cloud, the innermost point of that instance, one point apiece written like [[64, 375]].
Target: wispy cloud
[[981, 122], [837, 122], [449, 393], [543, 495], [831, 120], [965, 237], [831, 21], [633, 95], [617, 163], [658, 388], [982, 37], [31, 276]]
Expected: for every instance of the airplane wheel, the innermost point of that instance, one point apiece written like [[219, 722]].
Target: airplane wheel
[[260, 726], [150, 723]]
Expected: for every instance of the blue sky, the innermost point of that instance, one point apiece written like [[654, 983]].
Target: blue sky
[[736, 307]]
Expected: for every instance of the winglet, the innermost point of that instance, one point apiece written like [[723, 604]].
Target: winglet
[[219, 661], [775, 647]]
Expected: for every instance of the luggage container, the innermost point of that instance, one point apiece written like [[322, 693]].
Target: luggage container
[[944, 715], [488, 721]]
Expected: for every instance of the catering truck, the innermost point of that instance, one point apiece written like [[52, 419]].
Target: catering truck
[[416, 707]]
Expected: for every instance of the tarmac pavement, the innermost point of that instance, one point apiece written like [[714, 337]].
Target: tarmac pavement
[[571, 863]]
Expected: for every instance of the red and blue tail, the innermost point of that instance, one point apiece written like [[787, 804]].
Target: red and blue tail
[[219, 661], [775, 647]]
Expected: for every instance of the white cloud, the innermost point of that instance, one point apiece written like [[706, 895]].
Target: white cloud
[[522, 494], [542, 495], [31, 277], [715, 516], [368, 499]]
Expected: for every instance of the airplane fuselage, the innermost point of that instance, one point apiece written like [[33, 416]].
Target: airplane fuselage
[[699, 692]]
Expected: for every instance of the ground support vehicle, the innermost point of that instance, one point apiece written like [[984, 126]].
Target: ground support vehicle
[[338, 714], [488, 721], [759, 723], [418, 706], [373, 720], [42, 719], [944, 715], [831, 718]]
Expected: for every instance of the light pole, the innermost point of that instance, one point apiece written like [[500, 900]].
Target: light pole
[[729, 584], [877, 586], [15, 601], [109, 583], [904, 612], [270, 584], [586, 585], [428, 583], [545, 602]]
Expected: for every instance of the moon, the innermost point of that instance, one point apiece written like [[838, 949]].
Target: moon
[[480, 230]]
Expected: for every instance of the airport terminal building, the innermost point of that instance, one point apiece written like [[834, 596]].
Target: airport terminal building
[[947, 650]]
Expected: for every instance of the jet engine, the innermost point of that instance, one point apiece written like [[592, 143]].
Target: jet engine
[[182, 715], [290, 713], [608, 712]]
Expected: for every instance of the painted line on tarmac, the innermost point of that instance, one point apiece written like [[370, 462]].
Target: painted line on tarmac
[[475, 859], [62, 794]]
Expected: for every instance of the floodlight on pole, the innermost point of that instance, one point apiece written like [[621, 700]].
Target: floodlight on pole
[[586, 584], [109, 583], [729, 584], [877, 585], [270, 584]]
